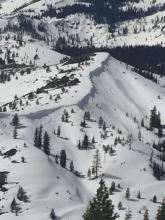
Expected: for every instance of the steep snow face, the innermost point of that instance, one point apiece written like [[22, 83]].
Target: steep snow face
[[126, 91], [109, 89]]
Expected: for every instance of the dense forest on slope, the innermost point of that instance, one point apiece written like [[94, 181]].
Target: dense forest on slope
[[142, 57], [103, 12]]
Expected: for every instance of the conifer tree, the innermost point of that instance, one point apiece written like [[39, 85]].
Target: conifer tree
[[104, 126], [79, 145], [85, 142], [83, 123], [52, 215], [4, 109], [15, 208], [139, 195], [96, 163], [21, 195], [15, 120], [13, 205], [101, 121], [160, 131], [36, 138], [142, 122], [161, 211], [89, 173], [127, 195], [113, 187], [93, 140], [101, 207], [154, 199], [63, 158], [146, 215], [15, 133], [71, 166], [120, 206], [128, 215], [59, 131], [139, 135], [72, 111], [39, 144], [46, 144]]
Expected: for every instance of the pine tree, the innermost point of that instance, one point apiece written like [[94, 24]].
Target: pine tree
[[63, 158], [142, 122], [21, 195], [89, 173], [46, 144], [36, 138], [101, 121], [15, 133], [160, 131], [101, 207], [71, 166], [104, 126], [146, 215], [120, 206], [128, 215], [39, 144], [83, 124], [161, 211], [15, 208], [85, 142], [52, 215], [93, 140], [154, 199], [63, 118], [72, 111], [139, 136], [15, 120], [127, 195], [79, 145], [59, 131], [96, 163], [13, 205], [113, 187], [139, 195], [4, 109], [87, 116]]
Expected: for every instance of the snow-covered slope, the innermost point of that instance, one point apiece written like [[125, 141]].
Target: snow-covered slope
[[108, 88], [44, 86]]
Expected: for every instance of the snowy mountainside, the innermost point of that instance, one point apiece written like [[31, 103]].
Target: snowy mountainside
[[104, 90], [66, 19], [70, 116]]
